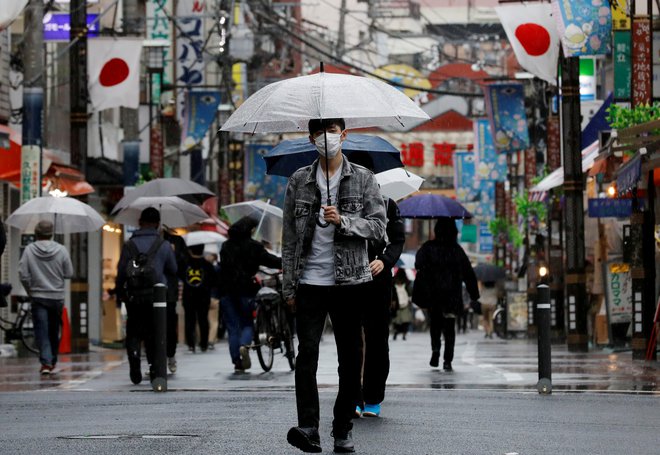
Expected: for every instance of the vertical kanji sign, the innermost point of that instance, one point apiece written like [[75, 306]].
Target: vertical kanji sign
[[641, 61], [412, 154]]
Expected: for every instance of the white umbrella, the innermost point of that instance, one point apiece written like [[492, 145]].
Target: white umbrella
[[269, 218], [190, 191], [398, 183], [67, 214], [289, 104], [174, 211], [203, 238]]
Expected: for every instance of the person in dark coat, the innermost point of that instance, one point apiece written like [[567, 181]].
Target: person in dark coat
[[240, 258], [199, 277], [375, 311], [445, 265], [181, 255]]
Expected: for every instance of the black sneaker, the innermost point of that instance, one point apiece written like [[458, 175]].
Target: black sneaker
[[343, 442], [435, 359], [447, 366], [134, 370], [306, 439]]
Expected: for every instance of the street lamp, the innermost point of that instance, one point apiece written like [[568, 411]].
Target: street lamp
[[155, 63]]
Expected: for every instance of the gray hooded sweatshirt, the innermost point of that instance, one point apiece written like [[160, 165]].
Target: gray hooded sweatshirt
[[44, 266]]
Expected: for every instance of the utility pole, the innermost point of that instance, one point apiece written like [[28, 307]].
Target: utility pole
[[576, 295], [341, 38], [78, 101], [133, 25], [33, 100]]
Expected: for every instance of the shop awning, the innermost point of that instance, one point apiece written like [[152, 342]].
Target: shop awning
[[67, 179], [556, 177], [628, 174]]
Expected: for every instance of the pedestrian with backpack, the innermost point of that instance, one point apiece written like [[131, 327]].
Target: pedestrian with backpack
[[146, 259], [198, 276], [442, 266]]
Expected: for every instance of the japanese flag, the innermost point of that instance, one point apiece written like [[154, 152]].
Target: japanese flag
[[113, 67], [532, 32], [10, 11]]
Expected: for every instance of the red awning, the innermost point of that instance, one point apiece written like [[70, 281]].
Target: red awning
[[67, 178]]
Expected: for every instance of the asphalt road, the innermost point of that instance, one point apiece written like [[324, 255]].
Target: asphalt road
[[414, 421]]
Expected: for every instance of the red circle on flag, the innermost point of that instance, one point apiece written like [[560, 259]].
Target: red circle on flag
[[115, 71], [534, 38]]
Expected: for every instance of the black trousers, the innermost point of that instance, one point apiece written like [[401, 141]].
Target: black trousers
[[441, 325], [172, 328], [139, 328], [313, 304], [375, 350], [197, 313]]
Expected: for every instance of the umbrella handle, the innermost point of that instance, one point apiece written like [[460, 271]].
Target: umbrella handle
[[323, 224]]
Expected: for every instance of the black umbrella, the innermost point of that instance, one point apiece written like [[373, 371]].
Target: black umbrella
[[489, 273]]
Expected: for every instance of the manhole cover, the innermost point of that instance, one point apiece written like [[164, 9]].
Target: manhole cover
[[130, 436]]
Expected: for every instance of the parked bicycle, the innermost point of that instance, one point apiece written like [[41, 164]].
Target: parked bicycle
[[21, 328], [273, 325]]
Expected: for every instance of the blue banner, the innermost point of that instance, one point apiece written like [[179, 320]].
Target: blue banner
[[485, 239], [610, 208], [506, 112], [490, 165], [131, 163], [198, 114], [584, 26], [258, 185], [465, 181]]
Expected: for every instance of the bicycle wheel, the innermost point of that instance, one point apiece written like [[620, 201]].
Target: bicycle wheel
[[26, 330], [263, 337], [287, 337]]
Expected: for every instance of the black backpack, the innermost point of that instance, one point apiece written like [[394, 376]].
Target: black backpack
[[140, 272]]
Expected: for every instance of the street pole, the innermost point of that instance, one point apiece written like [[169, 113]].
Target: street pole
[[78, 102], [576, 295], [543, 317], [159, 320], [33, 100], [133, 25]]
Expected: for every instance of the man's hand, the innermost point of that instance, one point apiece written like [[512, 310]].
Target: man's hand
[[331, 214], [376, 267], [291, 304]]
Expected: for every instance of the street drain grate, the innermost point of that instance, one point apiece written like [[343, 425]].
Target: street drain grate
[[130, 436]]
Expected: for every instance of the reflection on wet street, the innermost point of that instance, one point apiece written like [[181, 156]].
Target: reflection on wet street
[[478, 364]]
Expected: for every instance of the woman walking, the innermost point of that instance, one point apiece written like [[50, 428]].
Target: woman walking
[[443, 266]]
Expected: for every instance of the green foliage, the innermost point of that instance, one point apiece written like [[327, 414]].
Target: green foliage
[[144, 177], [505, 232], [624, 117], [526, 208]]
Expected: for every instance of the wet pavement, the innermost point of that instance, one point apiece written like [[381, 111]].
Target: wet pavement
[[479, 364]]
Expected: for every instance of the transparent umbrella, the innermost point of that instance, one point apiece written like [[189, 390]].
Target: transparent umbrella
[[185, 189], [67, 214], [269, 218], [398, 183], [174, 211]]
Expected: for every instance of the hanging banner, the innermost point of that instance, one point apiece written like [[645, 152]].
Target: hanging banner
[[258, 185], [190, 38], [508, 121], [485, 239], [464, 176], [490, 165], [620, 14], [30, 162], [131, 162], [554, 143], [641, 61], [618, 288], [622, 66], [156, 151], [656, 65], [585, 26], [198, 115]]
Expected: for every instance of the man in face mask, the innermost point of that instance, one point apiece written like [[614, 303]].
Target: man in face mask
[[331, 208]]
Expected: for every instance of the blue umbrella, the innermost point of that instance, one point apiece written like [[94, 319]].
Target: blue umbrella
[[430, 206], [289, 156]]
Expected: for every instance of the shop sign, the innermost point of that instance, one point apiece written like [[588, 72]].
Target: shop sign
[[57, 27], [656, 65], [620, 14], [629, 174], [156, 152], [485, 239], [618, 288], [516, 309], [641, 61], [609, 208], [500, 200], [159, 27], [622, 65], [412, 154], [30, 162], [554, 143]]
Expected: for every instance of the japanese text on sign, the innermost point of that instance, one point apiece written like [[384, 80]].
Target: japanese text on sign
[[641, 61]]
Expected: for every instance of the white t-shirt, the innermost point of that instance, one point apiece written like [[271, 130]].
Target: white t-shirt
[[320, 267]]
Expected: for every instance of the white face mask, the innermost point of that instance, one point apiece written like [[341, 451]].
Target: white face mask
[[334, 144]]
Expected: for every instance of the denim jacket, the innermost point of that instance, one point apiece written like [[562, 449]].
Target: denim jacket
[[362, 212]]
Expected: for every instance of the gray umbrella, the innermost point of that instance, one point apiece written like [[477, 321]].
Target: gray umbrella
[[489, 272], [185, 189]]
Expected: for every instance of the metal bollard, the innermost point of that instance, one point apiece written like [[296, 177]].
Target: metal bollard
[[159, 367], [543, 315]]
